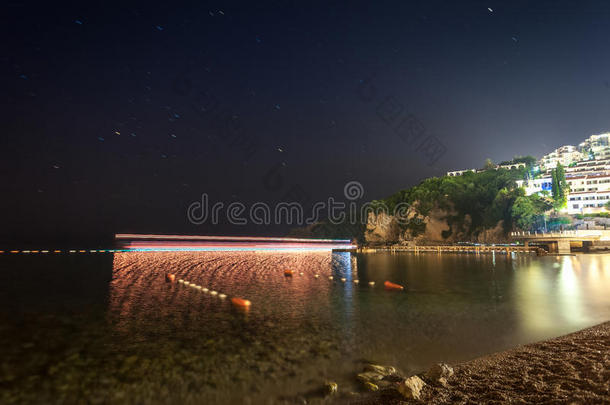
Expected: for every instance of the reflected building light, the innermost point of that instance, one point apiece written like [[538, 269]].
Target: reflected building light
[[569, 293], [535, 304]]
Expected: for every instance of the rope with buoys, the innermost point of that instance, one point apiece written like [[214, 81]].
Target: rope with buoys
[[236, 301], [388, 285]]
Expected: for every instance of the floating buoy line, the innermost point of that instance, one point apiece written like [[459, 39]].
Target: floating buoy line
[[245, 304], [236, 301], [388, 285], [56, 251]]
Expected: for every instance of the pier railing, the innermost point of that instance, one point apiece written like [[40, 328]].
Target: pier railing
[[451, 248], [580, 233]]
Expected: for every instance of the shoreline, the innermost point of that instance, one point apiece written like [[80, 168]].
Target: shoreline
[[573, 368]]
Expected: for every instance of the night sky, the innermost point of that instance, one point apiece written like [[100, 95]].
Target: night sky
[[115, 118]]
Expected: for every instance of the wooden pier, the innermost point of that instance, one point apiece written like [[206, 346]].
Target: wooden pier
[[454, 249]]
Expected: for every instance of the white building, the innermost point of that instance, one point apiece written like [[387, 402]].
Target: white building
[[588, 202], [589, 183], [460, 172], [510, 166], [596, 146], [588, 194], [587, 167], [565, 155], [536, 185]]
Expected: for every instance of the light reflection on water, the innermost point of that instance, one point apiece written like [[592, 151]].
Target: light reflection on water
[[300, 330]]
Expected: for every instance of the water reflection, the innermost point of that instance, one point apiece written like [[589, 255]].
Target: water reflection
[[138, 290], [344, 267], [561, 292], [300, 329]]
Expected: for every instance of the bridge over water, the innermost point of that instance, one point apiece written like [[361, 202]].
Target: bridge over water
[[563, 241]]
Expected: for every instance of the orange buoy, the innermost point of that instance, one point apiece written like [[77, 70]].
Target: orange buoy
[[392, 286], [170, 278], [241, 303], [288, 273]]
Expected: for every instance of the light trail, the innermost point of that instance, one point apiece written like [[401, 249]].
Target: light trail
[[227, 238], [177, 243]]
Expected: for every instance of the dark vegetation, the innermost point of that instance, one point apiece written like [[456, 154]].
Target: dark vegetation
[[485, 198], [473, 202]]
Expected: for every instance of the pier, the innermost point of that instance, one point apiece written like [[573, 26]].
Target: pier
[[453, 249], [562, 242]]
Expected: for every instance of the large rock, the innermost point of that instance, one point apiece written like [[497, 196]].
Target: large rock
[[369, 376], [383, 370], [439, 373], [381, 228], [411, 387], [375, 376]]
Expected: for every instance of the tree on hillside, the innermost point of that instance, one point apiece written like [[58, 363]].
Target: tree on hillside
[[528, 160], [501, 208], [527, 210], [489, 164], [561, 178], [554, 185], [559, 187]]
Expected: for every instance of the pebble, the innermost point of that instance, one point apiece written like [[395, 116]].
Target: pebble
[[370, 386], [331, 388]]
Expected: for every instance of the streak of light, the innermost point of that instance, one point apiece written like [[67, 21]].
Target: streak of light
[[234, 249], [225, 238]]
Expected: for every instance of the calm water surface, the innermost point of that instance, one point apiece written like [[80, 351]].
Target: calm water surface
[[107, 328]]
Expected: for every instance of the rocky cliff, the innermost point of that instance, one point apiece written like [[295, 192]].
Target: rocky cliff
[[439, 227]]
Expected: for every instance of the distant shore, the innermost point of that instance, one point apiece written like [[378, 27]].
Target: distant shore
[[573, 369]]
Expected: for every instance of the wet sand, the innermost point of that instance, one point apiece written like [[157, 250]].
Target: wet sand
[[572, 369]]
